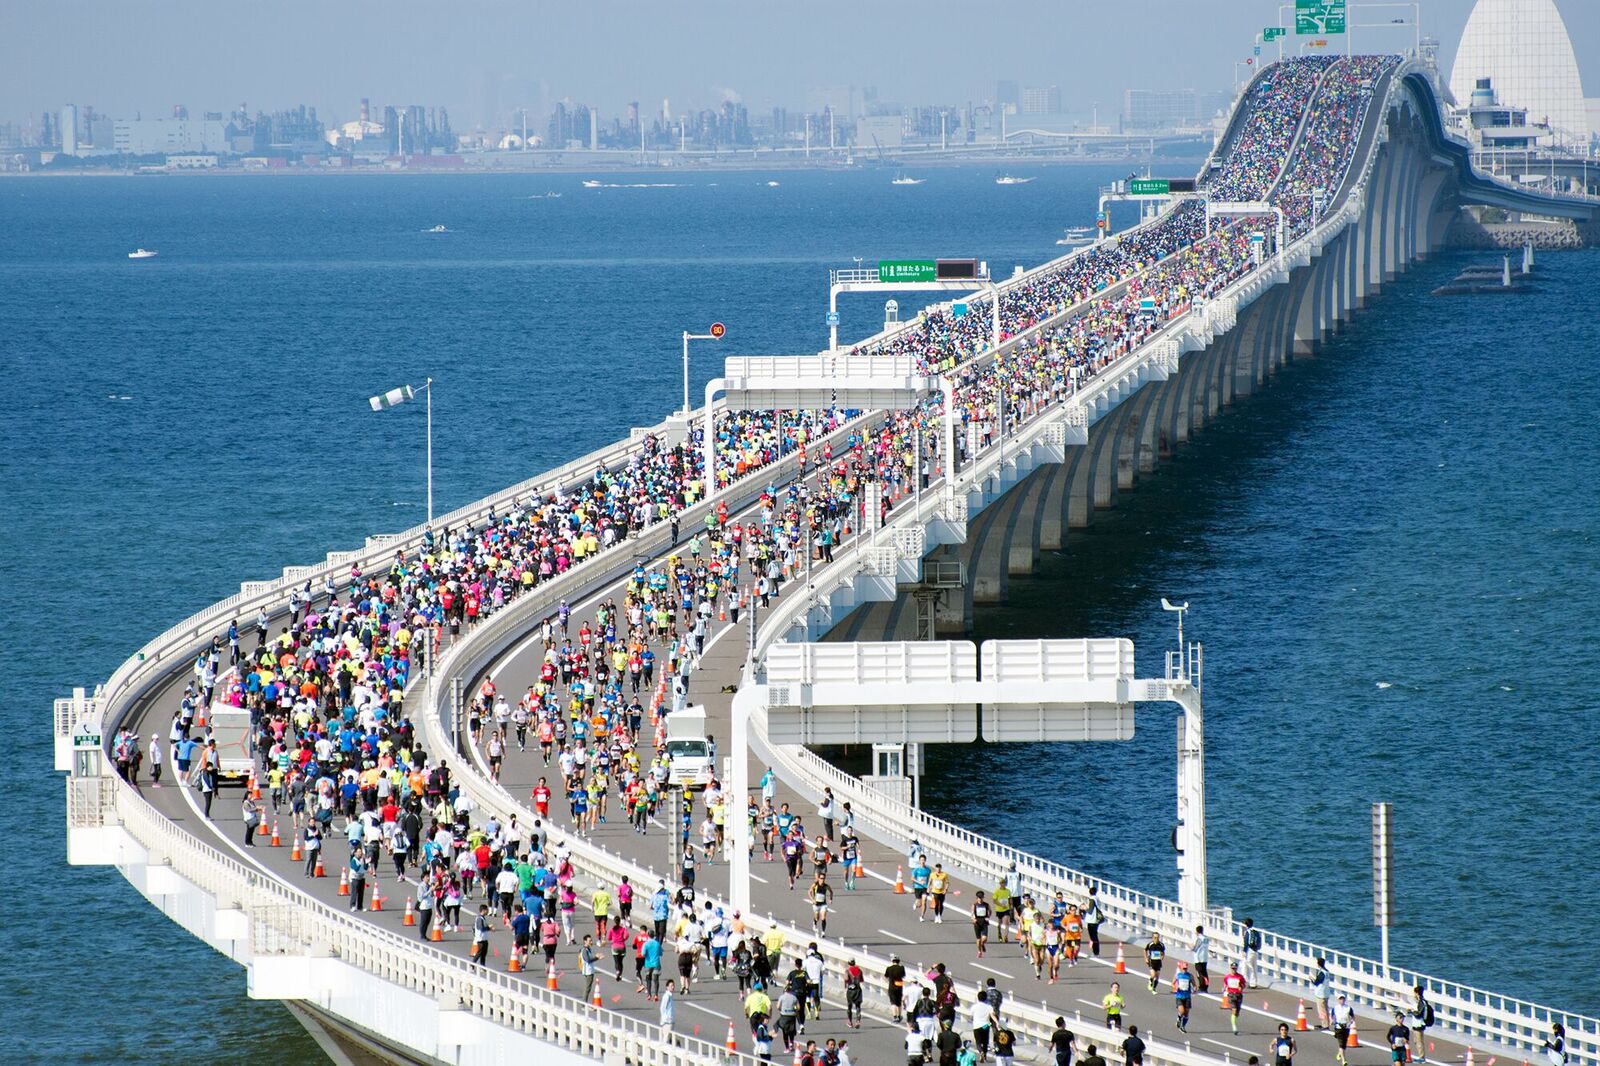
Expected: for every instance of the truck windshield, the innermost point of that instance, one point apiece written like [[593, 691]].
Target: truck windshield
[[693, 749]]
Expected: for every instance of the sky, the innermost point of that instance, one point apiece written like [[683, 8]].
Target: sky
[[483, 59]]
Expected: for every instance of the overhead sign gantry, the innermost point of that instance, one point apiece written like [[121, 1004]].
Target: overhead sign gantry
[[901, 275]]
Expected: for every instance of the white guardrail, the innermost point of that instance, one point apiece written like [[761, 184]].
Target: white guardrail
[[286, 921], [1474, 1014], [283, 919], [1033, 1023]]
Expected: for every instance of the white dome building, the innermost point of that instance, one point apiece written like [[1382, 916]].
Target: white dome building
[[1523, 48]]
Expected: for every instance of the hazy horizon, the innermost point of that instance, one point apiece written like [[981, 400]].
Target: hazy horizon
[[484, 63]]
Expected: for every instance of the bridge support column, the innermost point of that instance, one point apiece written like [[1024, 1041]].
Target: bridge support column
[[1053, 508], [1126, 458], [1105, 473]]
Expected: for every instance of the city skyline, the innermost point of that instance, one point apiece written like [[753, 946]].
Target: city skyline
[[487, 65]]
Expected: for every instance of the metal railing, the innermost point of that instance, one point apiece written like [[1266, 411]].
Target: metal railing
[[286, 921], [1472, 1013], [283, 919]]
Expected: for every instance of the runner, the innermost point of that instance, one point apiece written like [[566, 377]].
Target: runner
[[980, 921], [1233, 993], [1155, 953], [820, 894], [1002, 910], [921, 875], [1399, 1039], [1183, 994], [938, 886], [1342, 1015], [1113, 1002], [1283, 1046]]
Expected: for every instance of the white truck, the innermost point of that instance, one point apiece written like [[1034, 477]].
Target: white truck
[[231, 728], [688, 749]]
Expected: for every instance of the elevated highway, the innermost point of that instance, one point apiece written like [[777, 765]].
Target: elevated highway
[[369, 981]]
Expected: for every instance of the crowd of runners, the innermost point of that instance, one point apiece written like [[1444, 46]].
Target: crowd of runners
[[1329, 142], [337, 755], [1274, 109]]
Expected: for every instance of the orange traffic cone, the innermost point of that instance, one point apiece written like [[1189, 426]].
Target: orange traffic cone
[[377, 898], [1355, 1041], [597, 1001], [732, 1045], [295, 854], [796, 1053], [513, 964], [276, 841], [550, 979], [899, 881], [722, 612], [1300, 1023], [344, 882], [411, 915], [435, 934], [1122, 960], [861, 871], [321, 870]]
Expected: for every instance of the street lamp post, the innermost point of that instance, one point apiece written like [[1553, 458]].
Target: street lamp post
[[717, 330], [395, 397]]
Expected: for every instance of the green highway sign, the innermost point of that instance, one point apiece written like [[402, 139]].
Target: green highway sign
[[1272, 33], [1318, 17], [82, 739], [895, 270], [1149, 186]]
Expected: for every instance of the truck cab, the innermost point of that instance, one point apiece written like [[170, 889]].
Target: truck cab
[[688, 749]]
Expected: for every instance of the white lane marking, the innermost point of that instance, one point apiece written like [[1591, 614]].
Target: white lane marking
[[757, 877], [947, 904], [897, 936], [683, 1001], [1090, 1002], [991, 969], [1230, 1047]]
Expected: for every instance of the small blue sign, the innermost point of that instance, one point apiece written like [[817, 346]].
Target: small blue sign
[[958, 310], [1258, 49], [831, 319]]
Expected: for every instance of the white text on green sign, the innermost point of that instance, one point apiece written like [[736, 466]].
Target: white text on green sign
[[1149, 186], [1317, 17], [892, 270]]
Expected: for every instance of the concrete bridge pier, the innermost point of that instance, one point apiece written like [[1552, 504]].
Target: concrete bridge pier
[[1128, 446]]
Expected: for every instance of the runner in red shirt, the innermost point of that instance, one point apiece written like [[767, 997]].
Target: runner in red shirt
[[1233, 993]]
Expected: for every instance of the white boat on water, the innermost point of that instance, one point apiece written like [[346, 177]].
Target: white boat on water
[[1010, 179], [436, 229], [772, 185], [1076, 237], [552, 196], [591, 184], [142, 253], [904, 180]]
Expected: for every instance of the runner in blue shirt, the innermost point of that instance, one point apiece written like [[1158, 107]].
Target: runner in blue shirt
[[1183, 994], [920, 874]]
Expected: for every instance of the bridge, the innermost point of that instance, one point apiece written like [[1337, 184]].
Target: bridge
[[875, 527]]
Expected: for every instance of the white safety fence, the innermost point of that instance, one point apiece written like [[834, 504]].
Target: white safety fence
[[1032, 1022], [286, 921], [1474, 1013]]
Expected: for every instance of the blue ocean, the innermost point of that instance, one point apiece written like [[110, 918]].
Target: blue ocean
[[1389, 553]]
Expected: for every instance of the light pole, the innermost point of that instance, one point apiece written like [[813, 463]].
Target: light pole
[[1185, 685], [717, 330], [395, 397], [1179, 609]]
